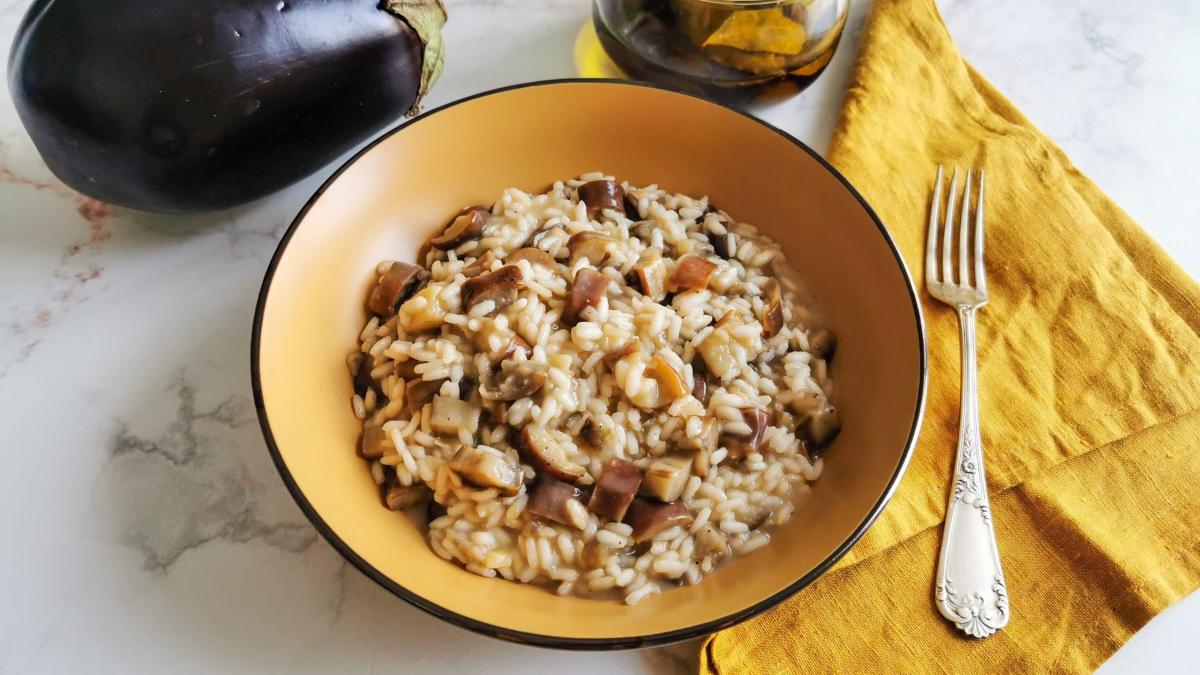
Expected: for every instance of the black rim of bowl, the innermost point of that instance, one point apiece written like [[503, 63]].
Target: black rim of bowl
[[508, 634]]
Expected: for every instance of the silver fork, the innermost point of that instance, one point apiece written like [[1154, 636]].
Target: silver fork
[[970, 589]]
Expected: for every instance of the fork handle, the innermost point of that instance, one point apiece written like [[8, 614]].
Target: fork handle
[[970, 589]]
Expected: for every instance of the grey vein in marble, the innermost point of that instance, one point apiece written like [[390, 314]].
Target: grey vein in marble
[[200, 480]]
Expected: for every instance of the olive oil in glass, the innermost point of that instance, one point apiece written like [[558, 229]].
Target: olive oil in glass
[[737, 51]]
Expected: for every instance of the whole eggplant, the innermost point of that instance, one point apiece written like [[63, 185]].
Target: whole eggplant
[[195, 105]]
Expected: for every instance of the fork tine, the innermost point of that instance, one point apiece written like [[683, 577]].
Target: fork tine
[[948, 234], [980, 279], [964, 229], [931, 237]]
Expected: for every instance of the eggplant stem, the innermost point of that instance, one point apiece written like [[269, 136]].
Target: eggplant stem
[[426, 17]]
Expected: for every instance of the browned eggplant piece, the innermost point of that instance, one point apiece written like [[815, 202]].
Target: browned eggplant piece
[[407, 369], [822, 343], [631, 207], [721, 244], [480, 265], [429, 315], [465, 227], [587, 289], [821, 428], [651, 275], [518, 345], [665, 478], [740, 446], [486, 470], [500, 287], [615, 490], [555, 500], [591, 246], [419, 392], [772, 313], [394, 286], [371, 446], [670, 382], [185, 107], [362, 372], [450, 415], [631, 347], [537, 447], [648, 518], [535, 256], [600, 195], [517, 379], [691, 273], [398, 496]]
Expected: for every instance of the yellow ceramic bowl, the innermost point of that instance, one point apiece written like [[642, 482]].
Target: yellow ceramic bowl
[[387, 200]]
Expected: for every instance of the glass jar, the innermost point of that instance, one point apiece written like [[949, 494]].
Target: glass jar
[[737, 51]]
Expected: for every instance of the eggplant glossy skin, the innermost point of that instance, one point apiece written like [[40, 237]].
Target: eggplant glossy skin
[[196, 105]]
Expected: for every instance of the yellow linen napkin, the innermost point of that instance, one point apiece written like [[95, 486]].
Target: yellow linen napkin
[[1090, 394]]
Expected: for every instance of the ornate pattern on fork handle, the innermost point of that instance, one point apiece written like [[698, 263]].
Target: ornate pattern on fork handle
[[970, 589]]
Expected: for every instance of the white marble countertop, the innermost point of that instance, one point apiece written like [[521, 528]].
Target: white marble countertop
[[146, 530]]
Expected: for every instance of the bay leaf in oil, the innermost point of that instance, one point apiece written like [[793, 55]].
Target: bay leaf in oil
[[762, 30]]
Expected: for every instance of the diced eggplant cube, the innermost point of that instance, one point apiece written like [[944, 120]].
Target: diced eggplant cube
[[821, 428], [487, 470], [615, 490], [516, 380], [535, 256], [419, 392], [592, 246], [546, 455], [587, 289], [740, 446], [691, 273], [651, 275], [371, 446], [449, 415], [467, 226], [772, 313], [665, 478], [557, 501], [398, 496], [602, 194], [394, 286], [648, 518], [500, 287]]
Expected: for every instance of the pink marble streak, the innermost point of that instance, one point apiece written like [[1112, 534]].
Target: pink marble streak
[[77, 267]]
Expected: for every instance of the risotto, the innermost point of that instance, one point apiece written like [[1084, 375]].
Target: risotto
[[606, 389]]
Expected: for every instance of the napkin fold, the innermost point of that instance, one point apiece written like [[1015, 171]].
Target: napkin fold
[[1089, 360]]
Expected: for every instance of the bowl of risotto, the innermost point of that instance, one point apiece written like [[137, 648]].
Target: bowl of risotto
[[589, 364]]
